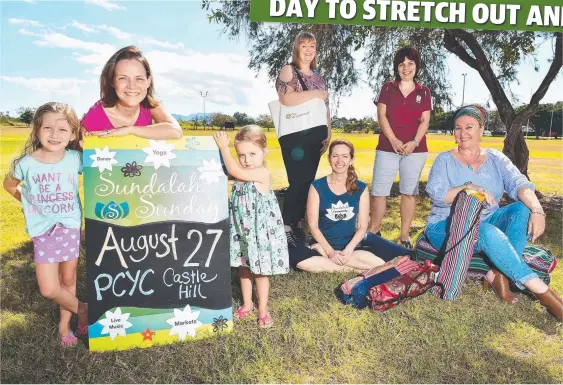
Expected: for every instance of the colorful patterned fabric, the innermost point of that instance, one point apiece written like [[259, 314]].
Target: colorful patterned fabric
[[463, 230], [539, 258], [347, 286], [258, 238], [313, 82], [409, 285], [358, 295], [475, 111]]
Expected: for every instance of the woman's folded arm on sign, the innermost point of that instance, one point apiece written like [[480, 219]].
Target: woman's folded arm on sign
[[165, 126]]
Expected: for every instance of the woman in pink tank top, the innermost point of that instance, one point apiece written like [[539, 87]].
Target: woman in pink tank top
[[127, 105]]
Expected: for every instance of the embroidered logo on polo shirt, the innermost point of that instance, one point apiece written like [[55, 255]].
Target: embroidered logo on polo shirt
[[418, 98], [340, 212]]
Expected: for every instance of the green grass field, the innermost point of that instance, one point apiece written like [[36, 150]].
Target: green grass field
[[476, 339]]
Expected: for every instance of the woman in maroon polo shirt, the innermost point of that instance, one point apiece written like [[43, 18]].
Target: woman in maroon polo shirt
[[403, 111]]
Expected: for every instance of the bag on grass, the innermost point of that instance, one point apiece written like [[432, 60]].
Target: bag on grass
[[411, 284], [354, 291]]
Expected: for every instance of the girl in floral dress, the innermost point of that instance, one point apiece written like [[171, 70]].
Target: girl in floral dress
[[258, 242]]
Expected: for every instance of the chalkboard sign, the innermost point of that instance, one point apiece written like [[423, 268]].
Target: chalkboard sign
[[157, 241]]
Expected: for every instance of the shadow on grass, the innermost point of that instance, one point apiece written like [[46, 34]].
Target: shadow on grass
[[476, 339], [315, 340], [18, 279]]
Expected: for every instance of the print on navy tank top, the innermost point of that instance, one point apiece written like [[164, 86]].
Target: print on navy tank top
[[340, 212], [337, 213]]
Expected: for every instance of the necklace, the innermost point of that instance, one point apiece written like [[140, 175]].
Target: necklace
[[469, 164]]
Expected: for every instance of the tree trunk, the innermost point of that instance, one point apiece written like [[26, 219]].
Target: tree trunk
[[515, 147], [514, 144]]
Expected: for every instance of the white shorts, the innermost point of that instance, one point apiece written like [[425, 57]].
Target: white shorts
[[385, 170]]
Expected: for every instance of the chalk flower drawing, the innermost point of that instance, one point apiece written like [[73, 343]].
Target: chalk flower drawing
[[219, 324], [184, 322], [340, 212], [115, 323], [211, 171], [131, 169], [103, 159], [159, 153]]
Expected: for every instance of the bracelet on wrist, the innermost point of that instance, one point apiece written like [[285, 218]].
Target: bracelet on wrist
[[538, 212]]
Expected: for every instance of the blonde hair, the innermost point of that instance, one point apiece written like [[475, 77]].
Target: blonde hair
[[33, 142], [252, 133], [352, 177], [302, 36]]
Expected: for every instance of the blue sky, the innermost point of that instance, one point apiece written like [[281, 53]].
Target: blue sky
[[56, 50]]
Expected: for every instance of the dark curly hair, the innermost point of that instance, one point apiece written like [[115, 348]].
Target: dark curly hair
[[406, 52]]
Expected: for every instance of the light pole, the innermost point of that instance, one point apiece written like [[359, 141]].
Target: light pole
[[550, 124], [203, 95], [463, 93]]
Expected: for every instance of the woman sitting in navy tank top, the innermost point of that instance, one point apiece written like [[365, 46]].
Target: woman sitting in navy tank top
[[338, 215]]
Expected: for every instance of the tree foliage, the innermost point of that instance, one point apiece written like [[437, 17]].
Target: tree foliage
[[265, 121], [548, 116], [242, 119], [353, 125], [218, 119], [25, 114], [495, 55]]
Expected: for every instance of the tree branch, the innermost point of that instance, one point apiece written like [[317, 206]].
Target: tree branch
[[454, 47], [556, 65], [483, 66], [553, 70]]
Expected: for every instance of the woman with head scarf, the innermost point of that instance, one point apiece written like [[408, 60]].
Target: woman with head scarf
[[504, 231]]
